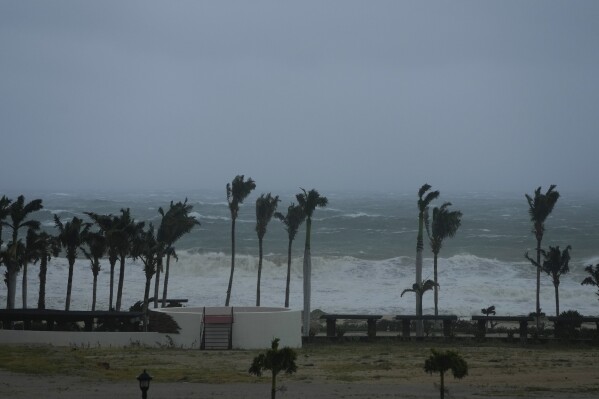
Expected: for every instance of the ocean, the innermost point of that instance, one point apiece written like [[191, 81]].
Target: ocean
[[363, 253]]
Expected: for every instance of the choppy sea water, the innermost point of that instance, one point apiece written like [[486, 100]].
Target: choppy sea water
[[363, 248]]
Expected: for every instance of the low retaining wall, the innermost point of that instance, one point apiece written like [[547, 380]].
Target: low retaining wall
[[253, 328], [84, 338]]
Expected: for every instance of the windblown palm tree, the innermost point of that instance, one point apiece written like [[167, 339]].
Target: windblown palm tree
[[176, 222], [275, 360], [423, 204], [97, 246], [539, 208], [71, 235], [30, 253], [123, 235], [308, 201], [442, 362], [108, 225], [292, 221], [555, 265], [266, 206], [445, 224], [18, 213], [237, 192], [419, 290], [47, 246], [146, 248], [593, 278], [4, 212]]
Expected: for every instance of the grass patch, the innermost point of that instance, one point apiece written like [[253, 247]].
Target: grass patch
[[498, 364]]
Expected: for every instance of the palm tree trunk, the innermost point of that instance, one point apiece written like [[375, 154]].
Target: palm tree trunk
[[95, 287], [12, 287], [442, 387], [166, 273], [273, 386], [288, 274], [157, 282], [232, 262], [260, 253], [67, 305], [119, 292], [556, 300], [538, 284], [24, 286], [146, 300], [307, 280], [41, 300], [436, 286], [112, 265], [419, 253]]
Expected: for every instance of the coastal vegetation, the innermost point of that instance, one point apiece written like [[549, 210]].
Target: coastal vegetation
[[266, 205], [175, 223], [308, 201], [274, 360], [117, 238], [292, 220], [556, 264], [445, 224], [237, 191], [442, 362], [423, 204], [540, 206]]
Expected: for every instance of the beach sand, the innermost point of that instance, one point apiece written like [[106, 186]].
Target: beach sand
[[347, 370], [19, 386]]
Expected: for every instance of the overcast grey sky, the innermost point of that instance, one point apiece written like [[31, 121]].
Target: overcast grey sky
[[383, 95]]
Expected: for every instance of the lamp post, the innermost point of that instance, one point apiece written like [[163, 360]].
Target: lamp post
[[144, 383]]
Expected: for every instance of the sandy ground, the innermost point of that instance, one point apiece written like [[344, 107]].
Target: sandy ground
[[354, 370], [29, 386]]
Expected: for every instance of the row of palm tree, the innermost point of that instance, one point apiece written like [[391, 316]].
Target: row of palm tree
[[555, 262], [266, 205], [444, 224], [119, 237]]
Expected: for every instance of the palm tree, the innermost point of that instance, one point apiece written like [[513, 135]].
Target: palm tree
[[423, 204], [266, 206], [176, 222], [441, 362], [555, 264], [97, 245], [30, 253], [125, 231], [148, 249], [275, 360], [539, 208], [108, 225], [18, 213], [419, 290], [292, 221], [71, 235], [445, 224], [593, 278], [308, 201], [46, 247], [4, 212], [237, 192]]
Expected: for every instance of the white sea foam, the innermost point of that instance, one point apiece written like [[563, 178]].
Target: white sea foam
[[339, 284]]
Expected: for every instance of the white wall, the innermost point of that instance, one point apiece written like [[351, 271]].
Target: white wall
[[253, 328], [256, 329]]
